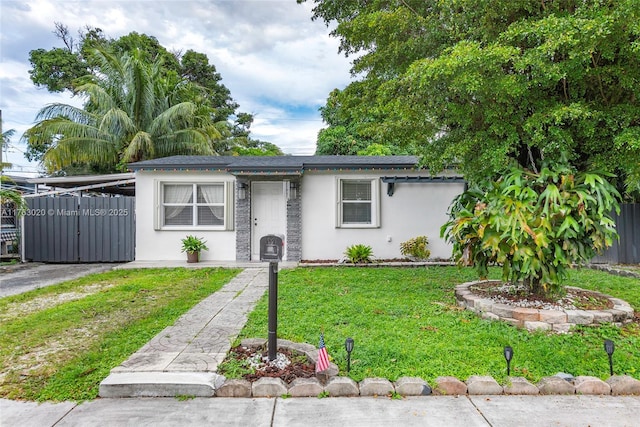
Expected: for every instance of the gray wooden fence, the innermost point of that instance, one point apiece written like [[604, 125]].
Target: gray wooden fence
[[79, 229], [627, 249]]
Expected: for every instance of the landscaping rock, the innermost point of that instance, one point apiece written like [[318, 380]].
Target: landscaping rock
[[376, 387], [526, 314], [269, 387], [487, 315], [481, 384], [328, 373], [342, 386], [449, 386], [623, 384], [305, 387], [234, 388], [537, 326], [555, 385], [591, 385], [412, 386], [565, 376], [553, 316], [563, 328], [600, 316], [502, 310], [519, 385], [579, 317], [253, 342]]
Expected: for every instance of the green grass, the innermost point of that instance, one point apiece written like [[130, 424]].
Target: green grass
[[54, 347], [405, 322]]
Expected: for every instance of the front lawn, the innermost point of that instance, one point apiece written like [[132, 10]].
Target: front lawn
[[405, 322], [60, 342]]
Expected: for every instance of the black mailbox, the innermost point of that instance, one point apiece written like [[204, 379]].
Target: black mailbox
[[271, 247]]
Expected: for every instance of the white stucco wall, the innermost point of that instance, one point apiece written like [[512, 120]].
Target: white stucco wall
[[157, 245], [415, 209]]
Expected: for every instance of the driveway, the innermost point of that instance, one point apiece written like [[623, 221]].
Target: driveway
[[25, 277]]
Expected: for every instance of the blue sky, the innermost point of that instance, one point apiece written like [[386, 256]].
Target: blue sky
[[278, 64]]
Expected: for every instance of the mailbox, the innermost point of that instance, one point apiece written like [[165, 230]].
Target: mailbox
[[271, 248]]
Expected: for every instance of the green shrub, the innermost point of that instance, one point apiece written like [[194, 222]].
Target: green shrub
[[416, 248], [359, 254], [536, 225]]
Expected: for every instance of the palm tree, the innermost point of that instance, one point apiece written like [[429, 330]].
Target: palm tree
[[132, 112], [9, 195]]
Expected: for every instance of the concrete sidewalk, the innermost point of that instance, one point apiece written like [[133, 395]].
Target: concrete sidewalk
[[496, 411]]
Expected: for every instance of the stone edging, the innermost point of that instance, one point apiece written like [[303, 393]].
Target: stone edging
[[331, 385], [534, 319]]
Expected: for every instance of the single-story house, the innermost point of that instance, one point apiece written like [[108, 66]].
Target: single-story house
[[320, 204]]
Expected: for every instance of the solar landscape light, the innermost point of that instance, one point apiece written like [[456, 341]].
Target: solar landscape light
[[508, 355], [609, 347], [348, 345]]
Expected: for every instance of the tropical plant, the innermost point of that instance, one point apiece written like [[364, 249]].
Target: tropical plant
[[416, 248], [192, 244], [536, 225], [131, 113], [9, 195], [359, 254], [176, 78]]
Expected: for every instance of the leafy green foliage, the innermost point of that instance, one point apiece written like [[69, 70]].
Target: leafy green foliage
[[416, 248], [194, 244], [406, 322], [359, 254], [141, 102], [9, 195], [478, 84], [534, 225]]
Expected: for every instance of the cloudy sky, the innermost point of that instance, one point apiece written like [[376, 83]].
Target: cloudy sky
[[278, 64]]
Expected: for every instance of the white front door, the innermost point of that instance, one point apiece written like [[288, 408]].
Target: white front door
[[268, 213]]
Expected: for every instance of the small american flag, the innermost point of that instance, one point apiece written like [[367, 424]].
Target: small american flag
[[323, 356]]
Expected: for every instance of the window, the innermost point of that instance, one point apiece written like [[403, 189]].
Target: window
[[189, 205], [358, 204]]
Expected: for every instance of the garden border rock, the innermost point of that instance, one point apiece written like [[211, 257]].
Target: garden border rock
[[332, 385], [558, 320]]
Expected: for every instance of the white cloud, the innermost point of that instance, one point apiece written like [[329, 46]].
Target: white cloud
[[277, 63]]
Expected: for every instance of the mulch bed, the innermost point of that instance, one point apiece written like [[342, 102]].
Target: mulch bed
[[298, 368], [580, 299]]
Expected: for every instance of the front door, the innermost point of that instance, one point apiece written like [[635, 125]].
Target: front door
[[268, 213]]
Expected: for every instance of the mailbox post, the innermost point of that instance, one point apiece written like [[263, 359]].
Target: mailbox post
[[271, 247]]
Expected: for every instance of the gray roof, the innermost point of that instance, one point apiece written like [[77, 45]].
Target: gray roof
[[240, 165]]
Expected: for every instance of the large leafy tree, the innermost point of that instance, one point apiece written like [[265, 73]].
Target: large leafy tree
[[67, 68], [131, 112], [480, 84]]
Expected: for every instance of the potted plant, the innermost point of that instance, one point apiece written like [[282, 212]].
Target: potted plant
[[192, 245]]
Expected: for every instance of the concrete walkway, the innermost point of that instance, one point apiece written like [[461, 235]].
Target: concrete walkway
[[183, 358]]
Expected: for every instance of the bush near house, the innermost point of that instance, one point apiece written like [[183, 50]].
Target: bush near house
[[359, 254], [535, 225], [416, 248]]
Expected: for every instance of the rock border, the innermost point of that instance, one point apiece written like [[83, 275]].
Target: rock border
[[329, 384], [539, 319]]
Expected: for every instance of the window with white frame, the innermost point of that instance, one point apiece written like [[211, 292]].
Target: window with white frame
[[195, 205], [358, 203]]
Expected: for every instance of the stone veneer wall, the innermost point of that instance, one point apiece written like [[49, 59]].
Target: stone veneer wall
[[532, 319], [294, 225], [243, 223]]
